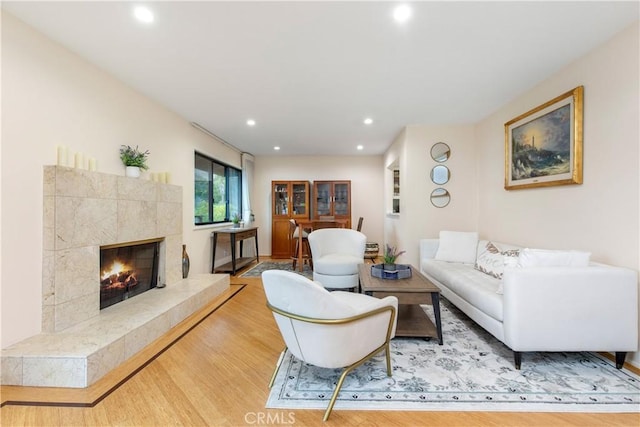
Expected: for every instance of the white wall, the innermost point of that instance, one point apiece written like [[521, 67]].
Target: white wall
[[602, 214], [51, 96], [418, 218], [366, 188]]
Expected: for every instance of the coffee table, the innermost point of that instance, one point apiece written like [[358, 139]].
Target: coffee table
[[411, 292]]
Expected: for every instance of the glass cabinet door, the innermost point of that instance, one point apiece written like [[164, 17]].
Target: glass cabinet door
[[299, 199], [341, 199], [323, 199], [281, 199]]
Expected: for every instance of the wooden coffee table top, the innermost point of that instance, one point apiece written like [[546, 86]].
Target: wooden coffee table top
[[416, 283]]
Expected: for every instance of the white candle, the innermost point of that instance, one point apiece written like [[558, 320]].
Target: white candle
[[62, 155], [79, 163], [168, 177], [162, 177], [153, 177], [92, 164]]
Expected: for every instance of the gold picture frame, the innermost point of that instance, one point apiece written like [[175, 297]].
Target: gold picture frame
[[543, 147]]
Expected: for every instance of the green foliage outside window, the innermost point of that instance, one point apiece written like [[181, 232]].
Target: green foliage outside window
[[217, 191]]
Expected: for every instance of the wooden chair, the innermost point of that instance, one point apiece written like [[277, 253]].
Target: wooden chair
[[294, 229], [317, 225]]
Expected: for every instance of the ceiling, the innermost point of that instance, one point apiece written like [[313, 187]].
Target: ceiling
[[309, 73]]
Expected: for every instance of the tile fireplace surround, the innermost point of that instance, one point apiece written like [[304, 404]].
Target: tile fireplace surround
[[80, 343]]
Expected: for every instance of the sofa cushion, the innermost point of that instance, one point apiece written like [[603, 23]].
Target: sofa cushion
[[551, 258], [491, 258], [457, 246], [473, 286]]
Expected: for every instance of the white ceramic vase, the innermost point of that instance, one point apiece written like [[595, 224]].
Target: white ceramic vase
[[132, 171]]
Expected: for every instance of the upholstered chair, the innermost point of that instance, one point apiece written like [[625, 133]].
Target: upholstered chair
[[336, 253], [329, 329]]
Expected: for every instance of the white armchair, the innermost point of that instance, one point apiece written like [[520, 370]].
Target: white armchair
[[329, 329], [336, 253]]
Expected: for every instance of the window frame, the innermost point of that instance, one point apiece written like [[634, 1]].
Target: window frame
[[230, 188]]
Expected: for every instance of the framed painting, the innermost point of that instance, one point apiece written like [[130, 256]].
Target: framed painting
[[543, 147]]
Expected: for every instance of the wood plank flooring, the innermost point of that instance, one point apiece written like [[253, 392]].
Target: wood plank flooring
[[213, 370]]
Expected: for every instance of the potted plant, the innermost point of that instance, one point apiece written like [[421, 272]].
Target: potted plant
[[134, 160], [236, 220], [390, 255]]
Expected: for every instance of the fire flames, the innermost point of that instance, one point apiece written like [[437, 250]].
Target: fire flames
[[118, 275]]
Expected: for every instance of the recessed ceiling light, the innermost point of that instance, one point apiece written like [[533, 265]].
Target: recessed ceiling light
[[276, 148], [251, 122], [368, 121], [360, 147], [402, 13], [143, 14]]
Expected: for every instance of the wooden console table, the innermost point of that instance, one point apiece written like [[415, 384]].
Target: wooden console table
[[234, 235]]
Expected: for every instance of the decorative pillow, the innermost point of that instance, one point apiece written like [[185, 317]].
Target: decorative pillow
[[491, 260], [457, 246], [549, 258]]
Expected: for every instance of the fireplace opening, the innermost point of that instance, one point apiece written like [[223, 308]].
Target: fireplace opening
[[127, 270]]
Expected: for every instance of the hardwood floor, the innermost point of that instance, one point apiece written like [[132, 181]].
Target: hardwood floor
[[214, 371]]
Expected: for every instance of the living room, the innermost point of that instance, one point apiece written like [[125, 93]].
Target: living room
[[52, 96]]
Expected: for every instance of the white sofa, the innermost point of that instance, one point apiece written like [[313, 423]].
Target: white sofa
[[537, 306]]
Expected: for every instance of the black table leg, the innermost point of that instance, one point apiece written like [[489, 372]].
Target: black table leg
[[257, 256], [435, 301], [213, 256], [233, 253]]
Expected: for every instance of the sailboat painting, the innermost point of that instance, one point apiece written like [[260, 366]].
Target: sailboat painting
[[543, 147]]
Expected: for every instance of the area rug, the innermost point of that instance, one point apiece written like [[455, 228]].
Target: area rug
[[271, 265], [472, 371]]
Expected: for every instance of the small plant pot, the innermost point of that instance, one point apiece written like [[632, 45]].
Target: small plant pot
[[389, 267], [236, 225], [132, 171]]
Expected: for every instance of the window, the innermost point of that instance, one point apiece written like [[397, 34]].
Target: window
[[217, 189]]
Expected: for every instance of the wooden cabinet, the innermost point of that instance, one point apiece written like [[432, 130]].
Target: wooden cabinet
[[332, 198], [289, 200]]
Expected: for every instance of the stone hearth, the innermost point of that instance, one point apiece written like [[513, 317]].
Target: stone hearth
[[80, 343], [82, 354]]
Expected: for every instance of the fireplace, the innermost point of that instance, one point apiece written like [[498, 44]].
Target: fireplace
[[84, 212], [127, 270]]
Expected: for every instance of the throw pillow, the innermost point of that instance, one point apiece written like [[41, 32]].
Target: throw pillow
[[510, 260], [551, 258], [457, 246], [492, 260]]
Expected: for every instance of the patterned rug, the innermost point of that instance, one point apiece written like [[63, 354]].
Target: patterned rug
[[472, 371], [272, 265]]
